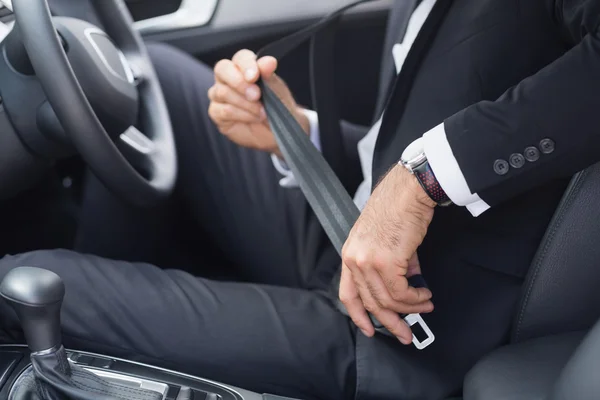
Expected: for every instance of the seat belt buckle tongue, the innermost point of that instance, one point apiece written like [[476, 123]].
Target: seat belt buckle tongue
[[411, 320], [416, 319]]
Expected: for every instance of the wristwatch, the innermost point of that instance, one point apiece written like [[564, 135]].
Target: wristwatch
[[415, 160]]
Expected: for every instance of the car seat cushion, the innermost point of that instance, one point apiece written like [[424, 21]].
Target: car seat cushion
[[523, 371]]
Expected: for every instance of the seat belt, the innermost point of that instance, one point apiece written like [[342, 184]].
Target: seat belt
[[323, 190]]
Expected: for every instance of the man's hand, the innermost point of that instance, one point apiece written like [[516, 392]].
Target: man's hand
[[380, 254], [235, 106]]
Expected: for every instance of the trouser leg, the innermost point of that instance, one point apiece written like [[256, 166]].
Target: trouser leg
[[267, 339], [233, 193]]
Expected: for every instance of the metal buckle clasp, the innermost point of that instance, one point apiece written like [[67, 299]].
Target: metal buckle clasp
[[414, 319], [411, 320]]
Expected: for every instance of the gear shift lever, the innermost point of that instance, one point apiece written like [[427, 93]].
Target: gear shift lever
[[36, 295]]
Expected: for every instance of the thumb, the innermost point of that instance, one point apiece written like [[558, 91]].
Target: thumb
[[414, 266], [267, 66]]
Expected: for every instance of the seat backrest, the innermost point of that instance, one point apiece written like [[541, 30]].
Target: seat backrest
[[562, 290]]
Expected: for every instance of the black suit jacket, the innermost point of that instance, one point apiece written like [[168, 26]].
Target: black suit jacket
[[502, 75]]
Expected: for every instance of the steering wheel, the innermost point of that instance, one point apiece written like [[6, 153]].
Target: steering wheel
[[104, 91]]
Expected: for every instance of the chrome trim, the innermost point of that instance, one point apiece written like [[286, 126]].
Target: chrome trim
[[127, 380], [47, 351], [235, 391], [128, 72], [222, 386], [414, 163], [138, 141], [111, 377], [17, 382], [5, 29], [7, 4], [191, 14]]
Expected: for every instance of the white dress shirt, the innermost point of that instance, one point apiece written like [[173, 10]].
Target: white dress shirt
[[437, 149]]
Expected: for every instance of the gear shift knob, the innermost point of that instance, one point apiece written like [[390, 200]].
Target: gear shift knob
[[36, 295]]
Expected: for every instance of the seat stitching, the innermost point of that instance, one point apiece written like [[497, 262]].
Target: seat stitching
[[551, 235], [540, 260]]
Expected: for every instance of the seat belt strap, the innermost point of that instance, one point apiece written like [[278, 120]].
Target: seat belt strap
[[323, 190]]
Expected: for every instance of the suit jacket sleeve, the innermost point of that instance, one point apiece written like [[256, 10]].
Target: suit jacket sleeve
[[560, 103]]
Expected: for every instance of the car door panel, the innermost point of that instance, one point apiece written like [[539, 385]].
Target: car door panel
[[238, 24], [182, 14], [146, 9]]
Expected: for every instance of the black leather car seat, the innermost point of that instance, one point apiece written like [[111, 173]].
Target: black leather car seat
[[550, 356]]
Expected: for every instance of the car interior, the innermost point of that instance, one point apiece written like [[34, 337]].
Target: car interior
[[62, 116]]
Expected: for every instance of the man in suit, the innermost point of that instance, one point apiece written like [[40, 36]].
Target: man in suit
[[492, 107]]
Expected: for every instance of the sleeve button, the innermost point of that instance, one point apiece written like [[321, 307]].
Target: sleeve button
[[501, 167], [517, 160], [532, 154], [547, 146]]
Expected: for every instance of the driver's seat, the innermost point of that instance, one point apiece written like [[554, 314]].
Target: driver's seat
[[550, 356]]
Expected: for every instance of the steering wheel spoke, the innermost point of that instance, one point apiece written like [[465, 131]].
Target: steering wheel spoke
[[7, 4], [137, 74], [138, 149], [137, 141]]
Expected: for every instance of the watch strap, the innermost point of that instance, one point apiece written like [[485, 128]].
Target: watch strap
[[430, 184]]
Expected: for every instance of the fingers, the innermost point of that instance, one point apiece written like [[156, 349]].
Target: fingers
[[396, 325], [390, 319], [235, 96], [350, 298], [235, 105], [253, 69], [228, 73], [267, 67], [221, 93], [396, 283], [238, 78], [223, 114], [383, 289], [387, 280], [245, 61], [362, 291], [243, 71], [418, 296], [385, 300]]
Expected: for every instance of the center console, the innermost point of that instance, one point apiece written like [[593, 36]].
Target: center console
[[14, 362], [44, 370]]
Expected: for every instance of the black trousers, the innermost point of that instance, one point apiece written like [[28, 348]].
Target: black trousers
[[283, 335]]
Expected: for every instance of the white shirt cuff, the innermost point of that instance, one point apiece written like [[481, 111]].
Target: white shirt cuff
[[288, 180], [447, 171], [313, 122]]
